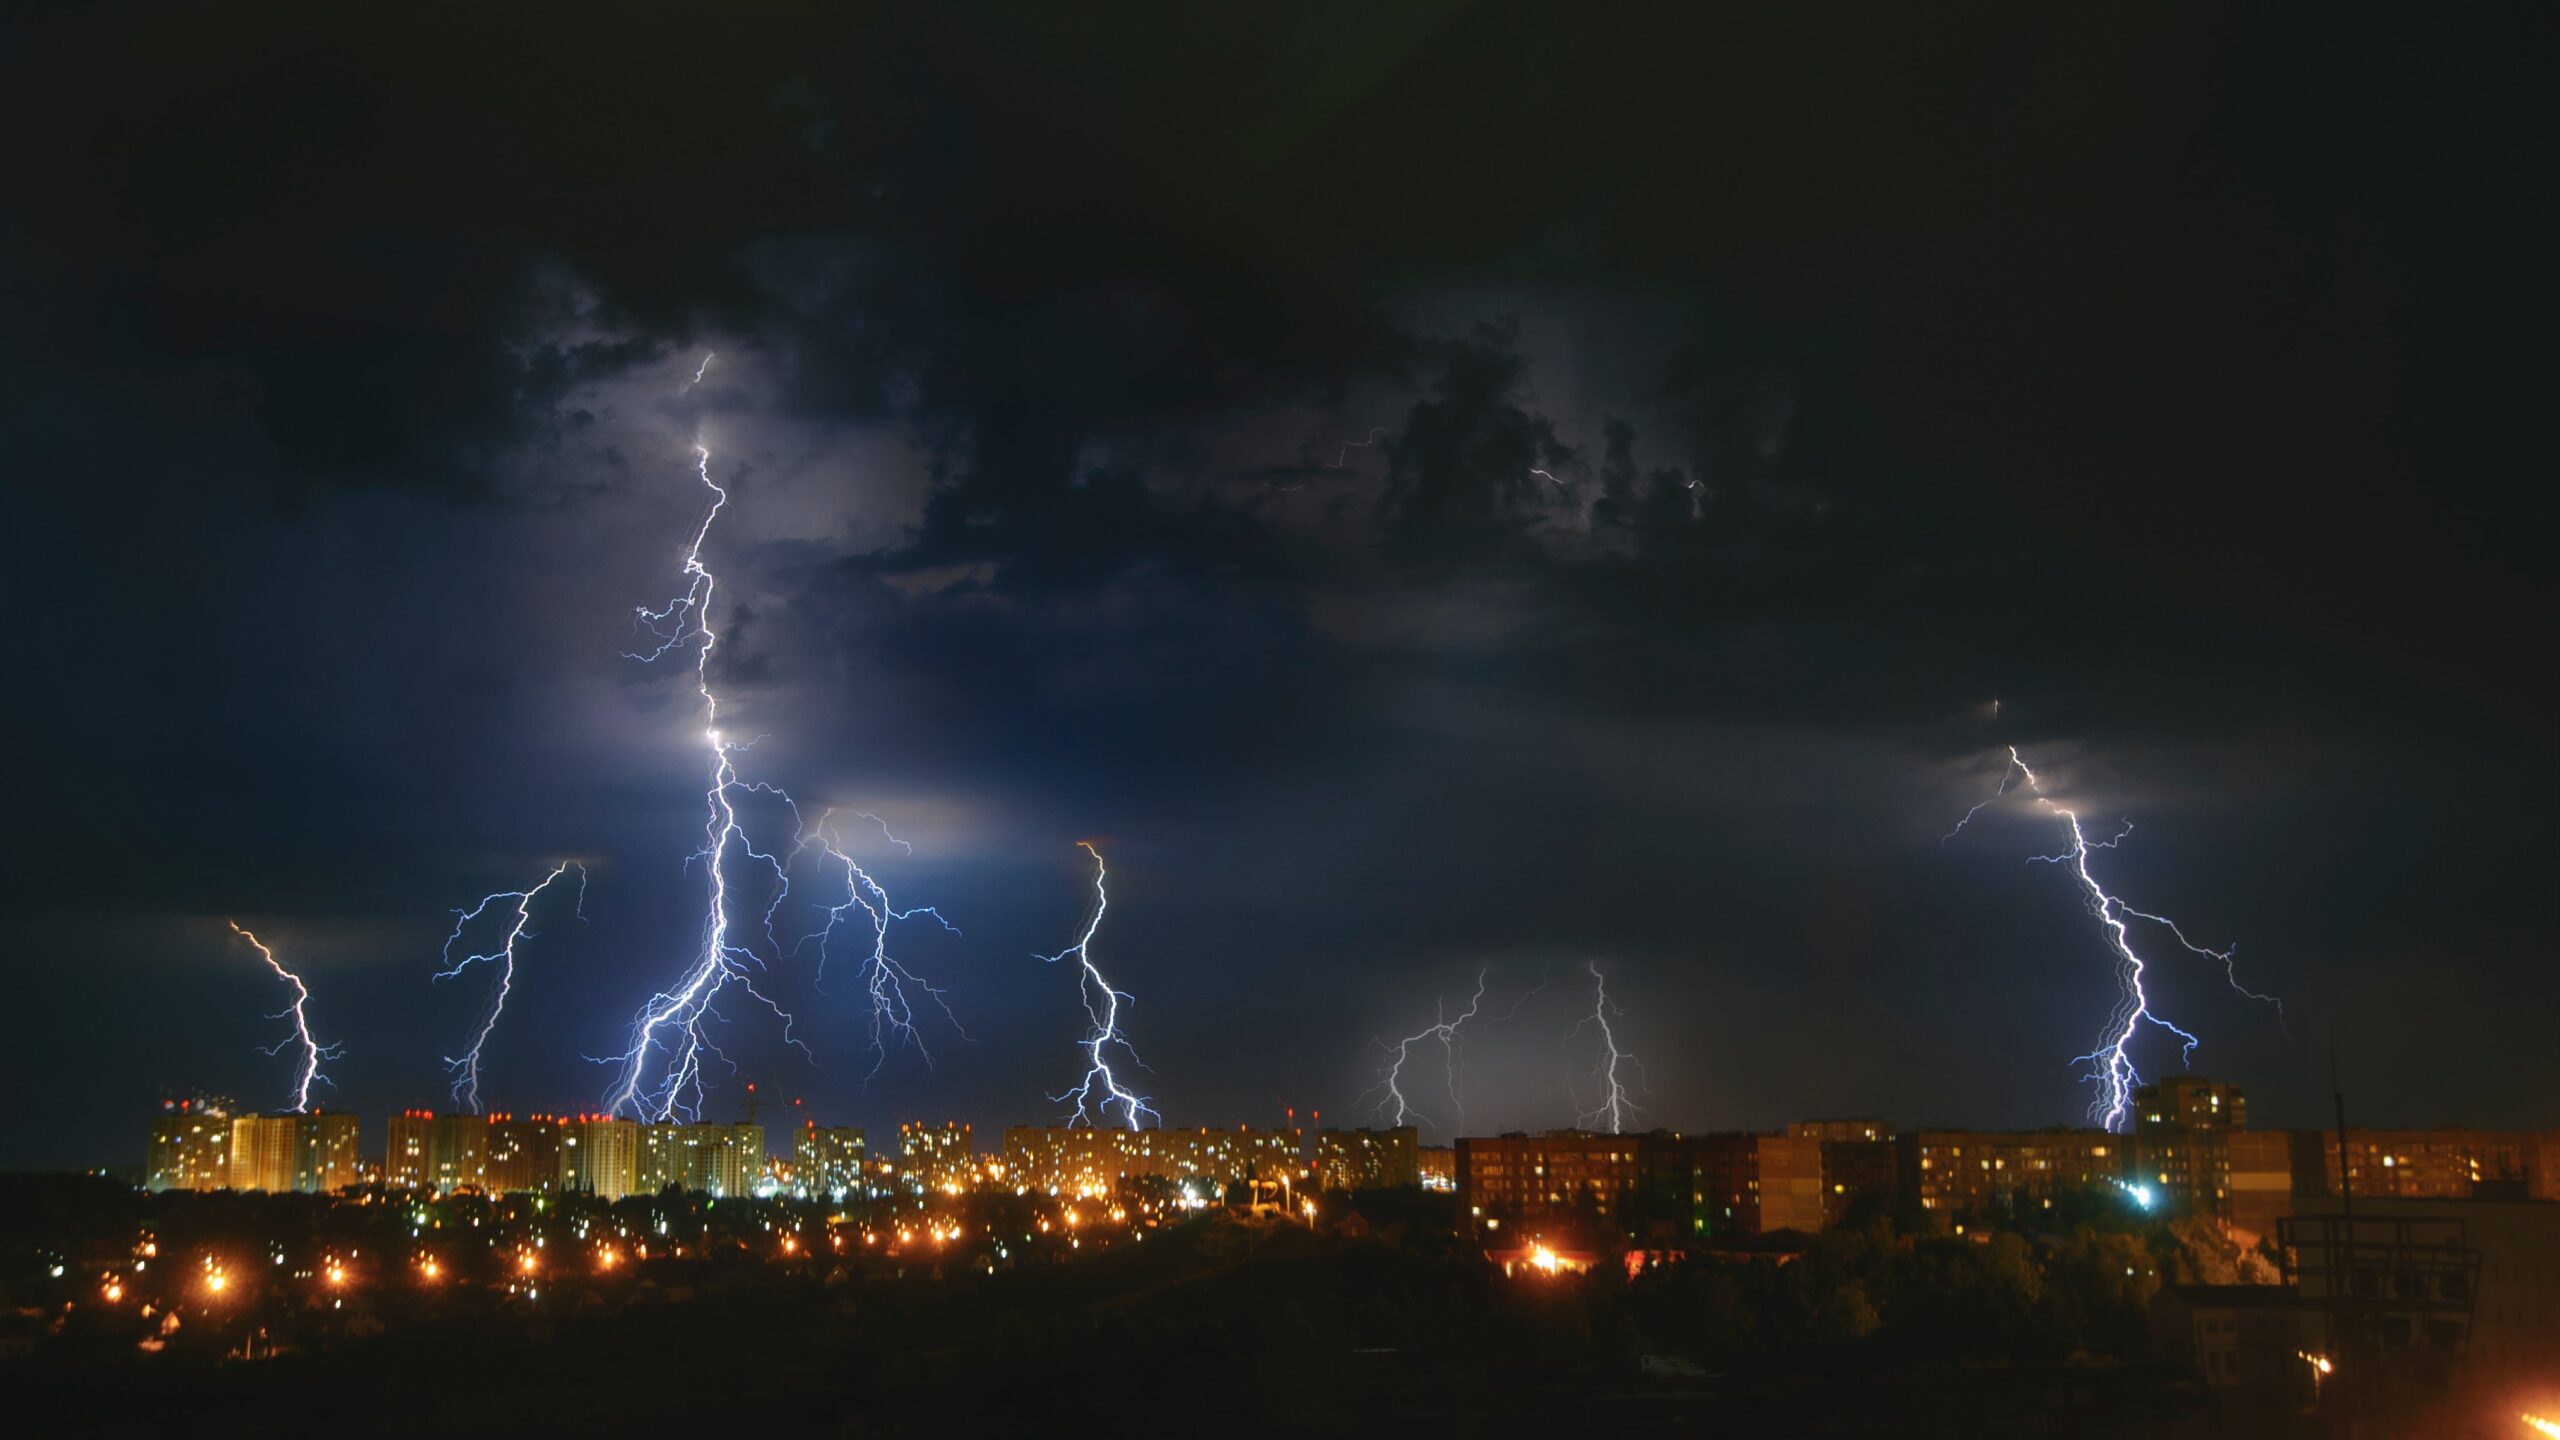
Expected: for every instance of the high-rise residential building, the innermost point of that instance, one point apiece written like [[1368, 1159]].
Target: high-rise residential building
[[190, 1145], [284, 1154], [600, 1156], [1093, 1160], [264, 1149], [2182, 1128], [458, 1152], [711, 1159], [935, 1157], [523, 1154], [325, 1154], [829, 1160], [497, 1154], [1369, 1159], [408, 1162]]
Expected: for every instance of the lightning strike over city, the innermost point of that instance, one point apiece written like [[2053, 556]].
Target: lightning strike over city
[[2112, 1068], [466, 1066], [1551, 509], [313, 1052], [1101, 1088], [662, 1072]]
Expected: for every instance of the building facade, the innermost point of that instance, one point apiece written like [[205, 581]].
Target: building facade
[[263, 1153], [522, 1155], [2182, 1132], [190, 1147], [1984, 1174], [1369, 1159], [718, 1160], [600, 1156], [829, 1160], [1092, 1160], [2445, 1163], [936, 1157]]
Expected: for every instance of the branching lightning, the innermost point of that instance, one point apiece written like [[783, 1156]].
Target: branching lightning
[[661, 1070], [1445, 1032], [1102, 1007], [2111, 1066], [466, 1066], [1615, 1105], [313, 1052], [892, 1012]]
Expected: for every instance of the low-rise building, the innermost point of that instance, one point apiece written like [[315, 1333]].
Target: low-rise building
[[1986, 1174]]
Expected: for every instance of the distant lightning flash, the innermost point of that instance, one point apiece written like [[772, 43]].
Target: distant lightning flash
[[1102, 1007], [2111, 1065], [1376, 434], [313, 1052], [893, 1015], [466, 1066], [1445, 1033], [661, 1071], [1614, 1106]]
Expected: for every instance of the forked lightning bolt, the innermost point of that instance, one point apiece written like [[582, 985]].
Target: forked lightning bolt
[[2111, 1065], [313, 1052], [1614, 1106], [893, 1014], [466, 1066], [661, 1071], [1445, 1033], [1102, 1007]]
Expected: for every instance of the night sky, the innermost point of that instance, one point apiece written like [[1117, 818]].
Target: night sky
[[1132, 421]]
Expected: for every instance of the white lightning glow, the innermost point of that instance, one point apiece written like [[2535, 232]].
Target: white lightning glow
[[1444, 1033], [2111, 1067], [1100, 1088], [888, 983], [313, 1052], [1615, 1104], [465, 1067], [661, 1072]]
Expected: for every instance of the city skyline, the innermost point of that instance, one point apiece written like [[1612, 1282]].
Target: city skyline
[[1619, 535]]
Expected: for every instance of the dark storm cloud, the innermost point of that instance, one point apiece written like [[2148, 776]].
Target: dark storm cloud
[[2142, 371]]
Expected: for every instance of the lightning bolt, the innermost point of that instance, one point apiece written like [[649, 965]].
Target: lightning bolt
[[1102, 1007], [1453, 1061], [313, 1052], [888, 981], [1614, 1106], [2111, 1066], [1376, 434], [662, 1069], [466, 1067]]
